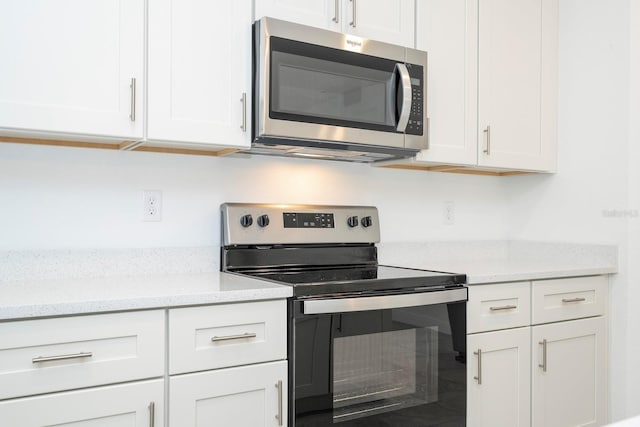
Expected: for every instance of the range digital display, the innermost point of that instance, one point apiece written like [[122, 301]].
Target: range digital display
[[308, 220]]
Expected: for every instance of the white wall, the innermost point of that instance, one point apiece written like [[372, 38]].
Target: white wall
[[588, 200], [60, 198], [631, 391]]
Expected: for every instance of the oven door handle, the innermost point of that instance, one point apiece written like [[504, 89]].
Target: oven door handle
[[345, 305]]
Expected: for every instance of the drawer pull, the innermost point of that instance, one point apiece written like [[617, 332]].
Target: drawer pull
[[504, 307], [233, 337], [479, 377], [573, 299], [152, 414], [543, 343], [41, 359], [279, 416]]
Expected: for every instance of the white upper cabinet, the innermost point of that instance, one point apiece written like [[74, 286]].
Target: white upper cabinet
[[492, 84], [517, 84], [68, 66], [390, 21], [200, 72], [447, 30], [316, 13]]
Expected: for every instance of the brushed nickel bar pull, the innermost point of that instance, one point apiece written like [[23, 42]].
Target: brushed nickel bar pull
[[543, 343], [336, 11], [279, 416], [573, 299], [41, 359], [243, 100], [504, 307], [353, 9], [487, 150], [479, 377], [132, 85], [233, 337], [152, 414]]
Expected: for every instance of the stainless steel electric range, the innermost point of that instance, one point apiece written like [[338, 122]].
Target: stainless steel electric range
[[368, 344]]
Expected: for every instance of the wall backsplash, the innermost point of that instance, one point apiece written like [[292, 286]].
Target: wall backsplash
[[67, 198]]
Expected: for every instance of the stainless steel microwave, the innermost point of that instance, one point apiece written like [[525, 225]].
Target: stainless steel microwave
[[320, 93]]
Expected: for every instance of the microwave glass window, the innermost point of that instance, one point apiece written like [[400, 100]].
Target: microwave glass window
[[327, 90]]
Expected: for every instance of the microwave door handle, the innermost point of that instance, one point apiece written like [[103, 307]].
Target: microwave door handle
[[404, 90]]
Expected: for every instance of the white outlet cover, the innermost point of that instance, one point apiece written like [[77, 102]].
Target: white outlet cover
[[152, 205]]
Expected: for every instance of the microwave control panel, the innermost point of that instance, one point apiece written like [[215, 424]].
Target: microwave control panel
[[416, 117]]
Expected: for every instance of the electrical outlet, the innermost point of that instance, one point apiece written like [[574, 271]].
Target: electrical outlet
[[152, 205], [449, 213]]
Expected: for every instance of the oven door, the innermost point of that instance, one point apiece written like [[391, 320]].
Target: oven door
[[394, 360]]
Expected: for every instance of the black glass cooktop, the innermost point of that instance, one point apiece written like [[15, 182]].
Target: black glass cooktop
[[360, 279]]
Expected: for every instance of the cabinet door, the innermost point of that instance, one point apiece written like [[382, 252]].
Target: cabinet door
[[447, 30], [517, 83], [68, 66], [129, 405], [200, 71], [498, 378], [247, 396], [569, 381], [316, 13], [390, 21]]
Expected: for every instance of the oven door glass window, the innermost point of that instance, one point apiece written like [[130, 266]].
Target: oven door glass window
[[399, 367]]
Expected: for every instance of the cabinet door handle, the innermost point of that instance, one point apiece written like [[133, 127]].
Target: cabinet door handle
[[336, 11], [41, 359], [487, 150], [543, 343], [504, 307], [279, 416], [353, 10], [243, 100], [152, 414], [479, 377], [132, 85], [573, 299], [233, 337]]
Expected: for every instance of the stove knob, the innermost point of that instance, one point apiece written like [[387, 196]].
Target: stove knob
[[352, 221], [246, 220], [263, 220], [366, 221]]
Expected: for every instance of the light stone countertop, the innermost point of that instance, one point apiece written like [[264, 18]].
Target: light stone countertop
[[503, 261], [57, 297], [65, 282]]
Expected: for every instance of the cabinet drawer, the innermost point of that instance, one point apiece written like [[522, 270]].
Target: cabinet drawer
[[500, 306], [226, 335], [138, 404], [565, 299], [40, 356]]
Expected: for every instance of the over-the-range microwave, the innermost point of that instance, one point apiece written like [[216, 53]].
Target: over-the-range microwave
[[320, 93]]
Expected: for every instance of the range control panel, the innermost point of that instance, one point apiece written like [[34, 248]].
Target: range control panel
[[308, 220], [263, 224]]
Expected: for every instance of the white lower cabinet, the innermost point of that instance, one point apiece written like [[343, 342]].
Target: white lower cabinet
[[498, 378], [569, 373], [550, 371], [228, 365], [138, 404], [245, 396]]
